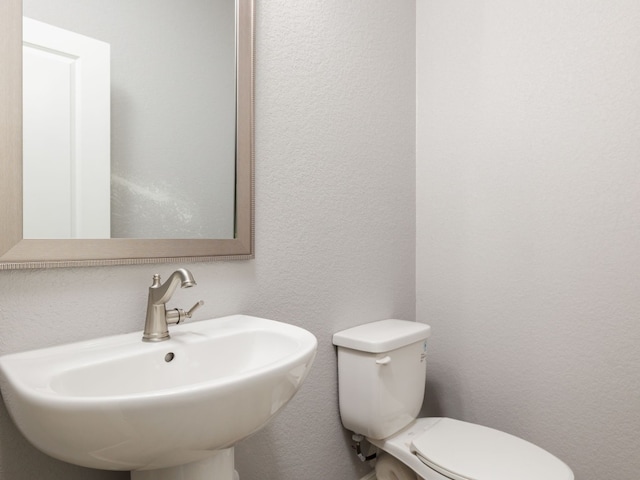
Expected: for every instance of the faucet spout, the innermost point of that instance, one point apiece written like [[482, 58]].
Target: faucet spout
[[156, 328], [162, 293]]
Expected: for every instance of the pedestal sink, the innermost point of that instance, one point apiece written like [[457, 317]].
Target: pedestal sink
[[164, 410]]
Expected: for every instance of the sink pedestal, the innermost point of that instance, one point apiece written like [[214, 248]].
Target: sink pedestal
[[217, 467]]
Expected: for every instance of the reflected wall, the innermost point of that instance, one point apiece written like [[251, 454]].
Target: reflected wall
[[172, 110]]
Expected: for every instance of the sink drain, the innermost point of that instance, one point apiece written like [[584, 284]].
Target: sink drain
[[169, 356]]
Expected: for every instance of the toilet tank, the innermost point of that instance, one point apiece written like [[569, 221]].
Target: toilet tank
[[381, 375]]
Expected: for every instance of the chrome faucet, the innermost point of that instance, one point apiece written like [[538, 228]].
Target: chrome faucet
[[156, 327]]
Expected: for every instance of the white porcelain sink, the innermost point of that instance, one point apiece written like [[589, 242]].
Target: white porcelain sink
[[118, 403]]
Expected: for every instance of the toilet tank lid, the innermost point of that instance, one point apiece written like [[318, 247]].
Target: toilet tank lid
[[382, 336]]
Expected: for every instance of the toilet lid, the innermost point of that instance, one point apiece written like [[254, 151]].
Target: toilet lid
[[464, 451]]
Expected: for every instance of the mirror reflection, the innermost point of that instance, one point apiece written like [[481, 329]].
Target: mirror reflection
[[129, 119]]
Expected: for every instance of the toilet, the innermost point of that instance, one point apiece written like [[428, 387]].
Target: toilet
[[381, 380]]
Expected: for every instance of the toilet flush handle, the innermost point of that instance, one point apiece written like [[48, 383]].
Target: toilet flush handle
[[384, 360]]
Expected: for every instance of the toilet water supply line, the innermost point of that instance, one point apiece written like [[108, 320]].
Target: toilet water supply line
[[356, 446]]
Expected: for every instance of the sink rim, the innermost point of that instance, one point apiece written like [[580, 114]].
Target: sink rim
[[131, 345], [121, 432], [130, 350]]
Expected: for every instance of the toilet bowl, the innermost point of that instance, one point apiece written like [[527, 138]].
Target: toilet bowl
[[382, 374]]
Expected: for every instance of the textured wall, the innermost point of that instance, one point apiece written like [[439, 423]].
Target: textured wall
[[335, 241], [528, 244]]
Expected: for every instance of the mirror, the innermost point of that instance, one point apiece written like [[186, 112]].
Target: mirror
[[170, 234]]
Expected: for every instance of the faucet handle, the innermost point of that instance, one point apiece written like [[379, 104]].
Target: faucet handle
[[178, 315], [194, 308]]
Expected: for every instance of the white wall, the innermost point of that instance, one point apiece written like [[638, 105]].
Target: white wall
[[528, 225], [335, 241]]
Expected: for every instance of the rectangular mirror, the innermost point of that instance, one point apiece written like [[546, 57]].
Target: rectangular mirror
[[168, 172]]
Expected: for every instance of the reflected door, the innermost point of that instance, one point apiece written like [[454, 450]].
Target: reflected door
[[66, 158]]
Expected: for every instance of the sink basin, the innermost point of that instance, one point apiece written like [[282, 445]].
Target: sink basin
[[118, 403]]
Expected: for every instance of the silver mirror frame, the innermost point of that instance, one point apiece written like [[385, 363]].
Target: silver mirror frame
[[19, 253]]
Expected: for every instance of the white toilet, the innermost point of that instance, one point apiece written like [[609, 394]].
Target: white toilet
[[382, 374]]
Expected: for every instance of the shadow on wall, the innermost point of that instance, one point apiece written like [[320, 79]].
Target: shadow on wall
[[432, 405], [19, 460]]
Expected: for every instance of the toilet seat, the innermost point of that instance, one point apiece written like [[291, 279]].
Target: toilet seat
[[465, 451]]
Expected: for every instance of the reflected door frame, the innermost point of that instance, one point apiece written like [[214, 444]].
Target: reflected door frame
[[66, 104]]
